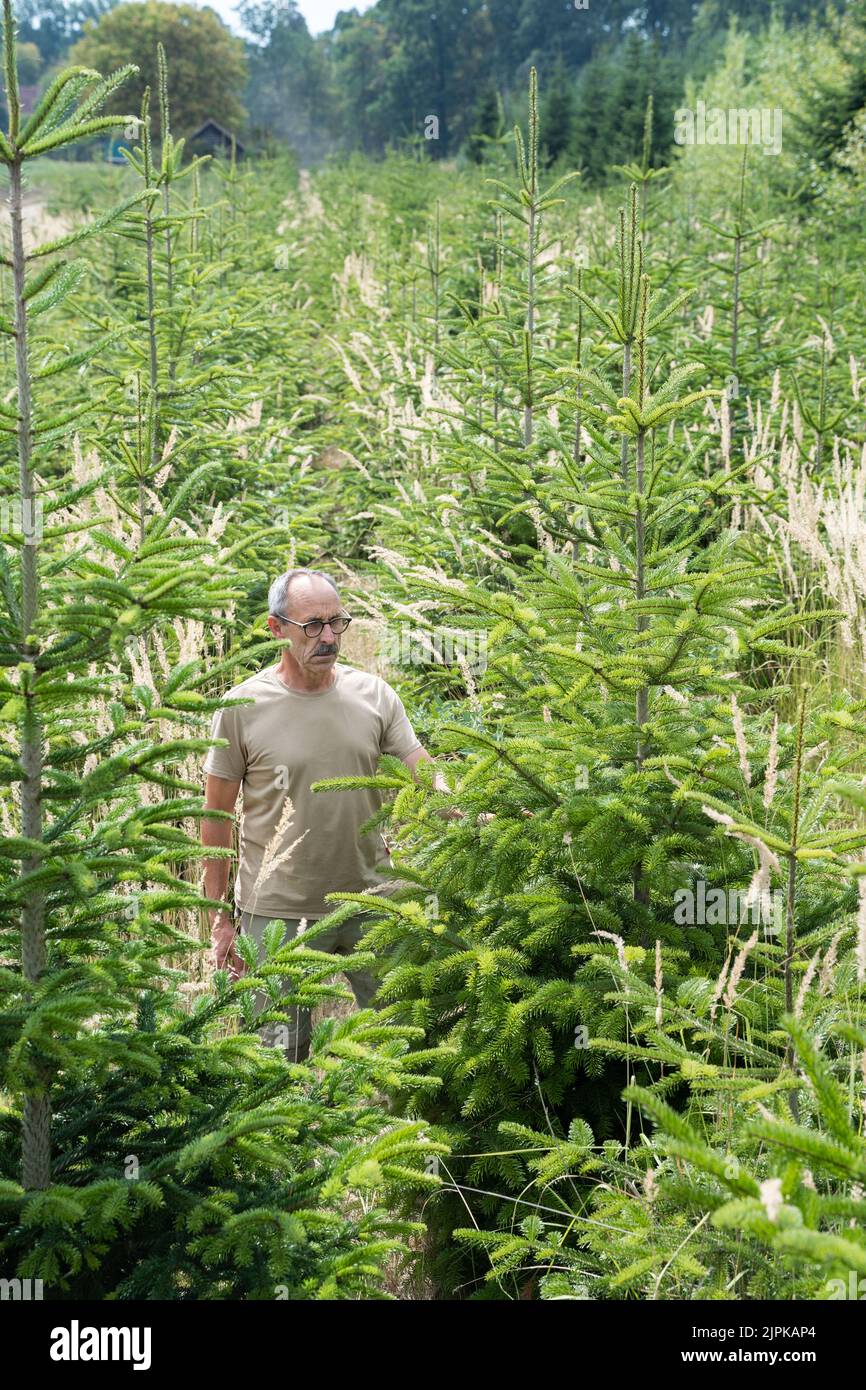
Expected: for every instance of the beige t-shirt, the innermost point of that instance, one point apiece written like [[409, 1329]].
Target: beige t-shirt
[[276, 748]]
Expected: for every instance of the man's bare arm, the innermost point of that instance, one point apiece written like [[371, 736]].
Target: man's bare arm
[[221, 794]]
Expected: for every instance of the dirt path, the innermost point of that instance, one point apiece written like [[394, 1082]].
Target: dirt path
[[39, 224]]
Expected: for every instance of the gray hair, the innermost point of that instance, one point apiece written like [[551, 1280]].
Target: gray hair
[[278, 593]]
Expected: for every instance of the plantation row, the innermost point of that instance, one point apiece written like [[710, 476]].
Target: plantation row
[[610, 449]]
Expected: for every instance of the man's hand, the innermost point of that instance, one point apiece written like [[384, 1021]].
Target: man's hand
[[221, 794], [420, 755], [223, 935]]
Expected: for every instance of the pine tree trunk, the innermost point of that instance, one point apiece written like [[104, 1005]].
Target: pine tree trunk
[[641, 885], [579, 363], [36, 1125], [735, 319], [790, 1056], [530, 324], [169, 287], [626, 383], [151, 330]]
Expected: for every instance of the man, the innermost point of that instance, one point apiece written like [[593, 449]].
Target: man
[[313, 718]]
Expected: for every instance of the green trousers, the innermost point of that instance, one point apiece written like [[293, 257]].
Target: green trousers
[[294, 1035]]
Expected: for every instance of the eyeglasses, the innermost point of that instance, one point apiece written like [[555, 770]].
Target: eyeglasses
[[338, 624]]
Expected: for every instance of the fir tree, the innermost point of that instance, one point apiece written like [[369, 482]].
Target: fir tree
[[834, 106], [557, 115], [488, 124], [572, 743]]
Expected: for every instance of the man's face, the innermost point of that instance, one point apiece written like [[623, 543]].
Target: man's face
[[310, 600]]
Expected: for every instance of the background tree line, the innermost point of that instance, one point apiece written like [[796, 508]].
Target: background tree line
[[443, 76]]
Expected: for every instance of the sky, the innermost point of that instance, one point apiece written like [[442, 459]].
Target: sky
[[319, 14]]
